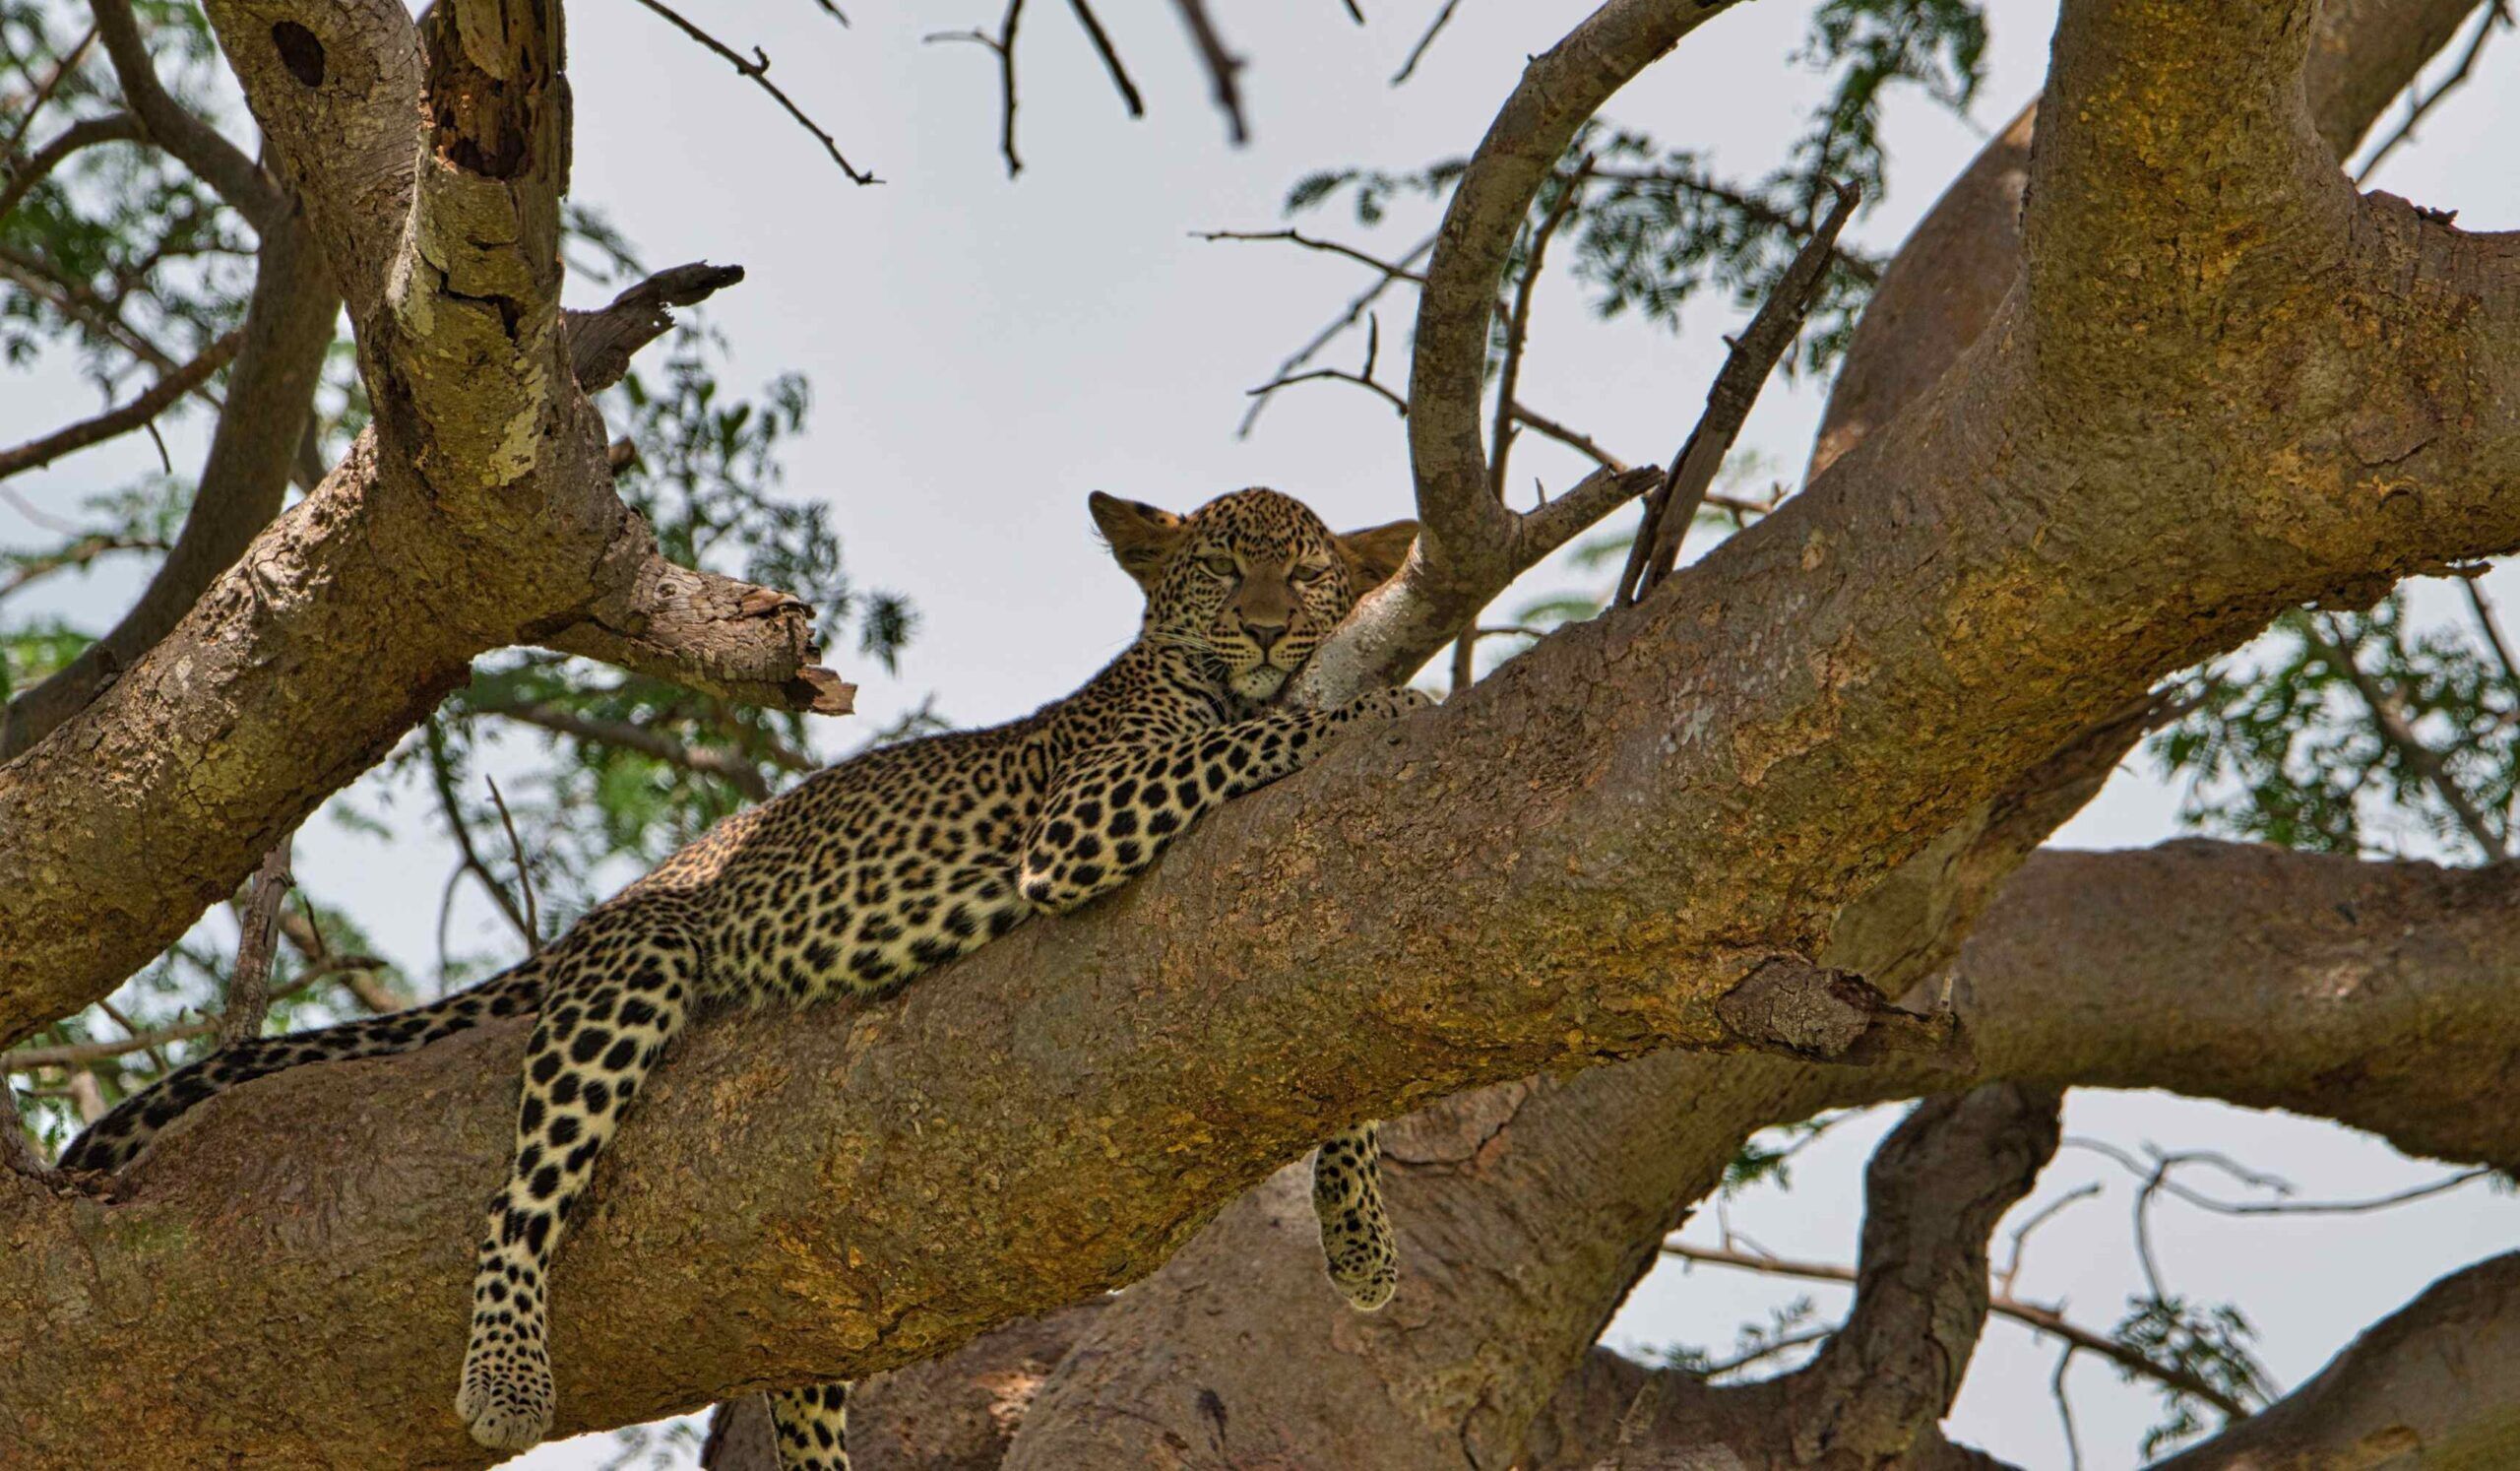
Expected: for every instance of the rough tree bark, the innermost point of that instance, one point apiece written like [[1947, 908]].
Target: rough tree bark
[[1525, 1278], [2221, 385], [478, 512]]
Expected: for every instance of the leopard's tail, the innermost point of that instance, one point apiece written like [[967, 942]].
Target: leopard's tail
[[1357, 1244], [113, 1140]]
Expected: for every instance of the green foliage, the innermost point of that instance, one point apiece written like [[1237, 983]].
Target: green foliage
[[2210, 1343], [2284, 745], [1652, 229]]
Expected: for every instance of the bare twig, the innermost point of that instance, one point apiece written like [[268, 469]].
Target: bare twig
[[1003, 43], [79, 553], [45, 90], [1754, 354], [1399, 405], [515, 855], [2279, 1207], [249, 984], [1356, 308], [2497, 15], [442, 776], [2491, 628], [2021, 1233], [758, 70], [113, 127], [2065, 1409], [1221, 63], [1103, 47], [36, 453], [1397, 270], [2388, 717], [1417, 53], [2033, 1314], [705, 760], [1518, 326]]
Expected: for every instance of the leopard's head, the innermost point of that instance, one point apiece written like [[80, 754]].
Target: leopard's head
[[1252, 579]]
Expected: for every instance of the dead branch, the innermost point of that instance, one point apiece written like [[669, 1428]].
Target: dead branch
[[1222, 64], [113, 127], [1003, 46], [1103, 47], [602, 342], [1425, 38], [1753, 357], [37, 452], [757, 72], [249, 992], [2496, 16]]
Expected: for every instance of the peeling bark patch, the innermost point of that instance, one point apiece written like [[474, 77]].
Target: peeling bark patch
[[299, 51]]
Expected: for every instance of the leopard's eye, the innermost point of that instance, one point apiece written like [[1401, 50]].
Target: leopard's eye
[[1312, 572], [1221, 565]]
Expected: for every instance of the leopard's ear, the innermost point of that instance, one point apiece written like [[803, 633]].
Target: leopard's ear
[[1141, 537], [1377, 552]]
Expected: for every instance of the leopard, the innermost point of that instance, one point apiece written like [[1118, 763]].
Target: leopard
[[871, 872]]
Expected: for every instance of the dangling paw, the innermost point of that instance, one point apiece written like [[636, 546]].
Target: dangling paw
[[506, 1398]]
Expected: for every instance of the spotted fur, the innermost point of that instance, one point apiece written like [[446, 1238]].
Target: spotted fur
[[875, 871]]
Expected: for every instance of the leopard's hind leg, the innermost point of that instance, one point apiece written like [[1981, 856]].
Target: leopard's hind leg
[[1357, 1244], [811, 1428], [618, 986]]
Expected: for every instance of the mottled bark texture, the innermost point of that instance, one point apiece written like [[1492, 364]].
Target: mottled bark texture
[[478, 512], [2220, 384], [1524, 1280]]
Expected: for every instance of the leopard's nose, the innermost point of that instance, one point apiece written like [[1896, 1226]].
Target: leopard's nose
[[1264, 634]]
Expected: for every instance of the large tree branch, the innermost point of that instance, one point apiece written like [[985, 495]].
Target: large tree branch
[[1661, 805], [2437, 1382], [172, 126], [1955, 269]]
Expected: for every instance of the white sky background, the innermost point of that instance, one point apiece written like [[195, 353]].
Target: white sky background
[[984, 353]]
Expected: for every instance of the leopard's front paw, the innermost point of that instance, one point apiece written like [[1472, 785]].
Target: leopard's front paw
[[1378, 705]]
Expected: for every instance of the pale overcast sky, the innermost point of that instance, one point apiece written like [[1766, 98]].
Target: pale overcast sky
[[984, 354]]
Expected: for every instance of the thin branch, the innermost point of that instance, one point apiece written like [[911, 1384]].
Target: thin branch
[[1112, 58], [257, 939], [441, 777], [2065, 1409], [113, 127], [34, 454], [2283, 1207], [1222, 66], [1399, 405], [78, 302], [79, 553], [61, 70], [758, 71], [1745, 371], [2033, 1314], [704, 760], [1518, 326], [2493, 630], [515, 855], [1417, 53], [1003, 43], [2497, 15], [1395, 271], [172, 126], [1356, 308], [2388, 717], [2021, 1233]]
